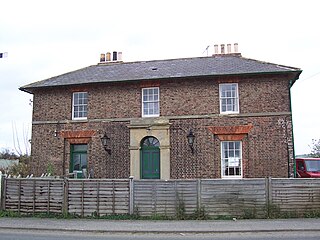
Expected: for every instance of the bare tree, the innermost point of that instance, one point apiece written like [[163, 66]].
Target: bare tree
[[315, 148], [24, 147]]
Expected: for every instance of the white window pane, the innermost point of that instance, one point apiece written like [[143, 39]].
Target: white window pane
[[156, 108]]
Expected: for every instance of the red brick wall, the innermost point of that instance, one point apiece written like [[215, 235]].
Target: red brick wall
[[46, 148], [264, 148], [265, 151]]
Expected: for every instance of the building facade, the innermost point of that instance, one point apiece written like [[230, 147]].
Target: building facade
[[236, 110]]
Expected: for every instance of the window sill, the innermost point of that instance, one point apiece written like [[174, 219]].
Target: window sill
[[151, 116], [232, 177], [229, 113], [79, 120]]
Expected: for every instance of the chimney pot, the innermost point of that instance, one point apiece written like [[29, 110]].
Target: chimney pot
[[102, 57], [108, 56], [216, 49], [228, 48], [235, 47], [114, 56], [119, 56], [222, 49]]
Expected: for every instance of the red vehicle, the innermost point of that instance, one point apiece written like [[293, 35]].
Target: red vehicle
[[308, 167]]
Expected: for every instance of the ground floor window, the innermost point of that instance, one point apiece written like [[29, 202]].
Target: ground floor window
[[231, 159], [78, 160]]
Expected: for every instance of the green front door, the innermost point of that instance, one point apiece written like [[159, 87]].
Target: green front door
[[78, 159], [150, 158]]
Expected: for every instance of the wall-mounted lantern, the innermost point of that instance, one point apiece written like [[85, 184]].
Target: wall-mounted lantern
[[191, 137], [105, 143]]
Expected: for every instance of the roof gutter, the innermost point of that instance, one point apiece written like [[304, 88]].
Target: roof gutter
[[296, 77], [25, 90], [291, 82]]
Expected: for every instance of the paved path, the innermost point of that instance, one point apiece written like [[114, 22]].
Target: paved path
[[141, 226]]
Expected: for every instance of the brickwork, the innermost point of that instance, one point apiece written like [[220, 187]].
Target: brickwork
[[46, 148], [264, 153], [265, 148]]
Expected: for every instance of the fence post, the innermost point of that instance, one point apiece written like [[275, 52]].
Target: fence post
[[1, 191], [131, 197], [199, 193], [270, 190], [19, 196], [34, 197], [98, 198], [268, 187], [4, 192], [65, 196]]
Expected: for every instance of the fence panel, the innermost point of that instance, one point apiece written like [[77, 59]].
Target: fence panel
[[33, 195], [161, 197], [234, 197], [98, 196], [296, 195]]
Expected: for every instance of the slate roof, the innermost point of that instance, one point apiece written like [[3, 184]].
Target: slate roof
[[219, 65]]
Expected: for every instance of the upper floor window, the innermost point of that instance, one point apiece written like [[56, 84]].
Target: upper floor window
[[231, 159], [229, 98], [150, 102], [80, 105]]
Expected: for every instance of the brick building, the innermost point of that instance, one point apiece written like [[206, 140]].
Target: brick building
[[236, 110]]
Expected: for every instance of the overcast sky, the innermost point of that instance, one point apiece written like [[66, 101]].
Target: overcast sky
[[48, 38]]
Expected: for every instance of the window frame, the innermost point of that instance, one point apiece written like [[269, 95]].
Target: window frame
[[153, 101], [235, 99], [240, 176], [74, 105]]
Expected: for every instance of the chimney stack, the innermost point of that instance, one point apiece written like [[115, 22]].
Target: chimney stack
[[226, 49], [111, 57]]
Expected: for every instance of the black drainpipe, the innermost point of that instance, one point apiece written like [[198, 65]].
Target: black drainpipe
[[293, 152]]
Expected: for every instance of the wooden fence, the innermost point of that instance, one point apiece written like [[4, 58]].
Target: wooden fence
[[218, 197]]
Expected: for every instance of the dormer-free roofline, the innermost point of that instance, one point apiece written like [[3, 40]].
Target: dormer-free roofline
[[216, 65]]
